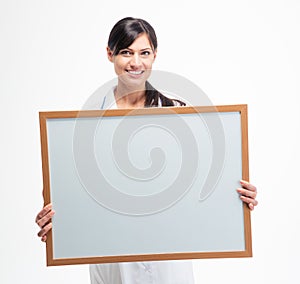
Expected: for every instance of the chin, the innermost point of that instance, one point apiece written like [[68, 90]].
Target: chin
[[133, 82]]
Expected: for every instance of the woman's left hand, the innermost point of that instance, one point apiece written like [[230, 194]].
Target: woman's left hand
[[248, 193]]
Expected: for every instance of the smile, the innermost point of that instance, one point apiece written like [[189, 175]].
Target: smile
[[135, 72]]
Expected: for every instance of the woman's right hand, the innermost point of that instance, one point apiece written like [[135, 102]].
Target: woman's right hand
[[43, 219]]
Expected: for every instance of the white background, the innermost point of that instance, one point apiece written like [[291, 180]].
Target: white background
[[52, 57]]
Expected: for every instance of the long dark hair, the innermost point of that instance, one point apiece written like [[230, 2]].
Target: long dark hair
[[122, 35]]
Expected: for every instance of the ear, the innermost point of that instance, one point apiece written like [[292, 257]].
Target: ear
[[155, 53], [109, 54]]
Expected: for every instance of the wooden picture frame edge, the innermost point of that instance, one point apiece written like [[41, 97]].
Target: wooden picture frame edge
[[242, 108]]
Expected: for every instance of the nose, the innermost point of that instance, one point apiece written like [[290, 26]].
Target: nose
[[135, 60]]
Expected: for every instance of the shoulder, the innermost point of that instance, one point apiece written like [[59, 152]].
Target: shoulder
[[166, 100], [178, 102]]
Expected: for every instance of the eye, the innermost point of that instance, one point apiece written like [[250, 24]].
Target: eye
[[146, 53], [125, 52]]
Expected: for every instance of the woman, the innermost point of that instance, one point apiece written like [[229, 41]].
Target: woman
[[132, 48]]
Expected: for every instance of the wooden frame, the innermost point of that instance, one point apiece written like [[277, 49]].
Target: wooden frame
[[169, 232]]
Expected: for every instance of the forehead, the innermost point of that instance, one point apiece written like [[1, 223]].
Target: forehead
[[141, 42]]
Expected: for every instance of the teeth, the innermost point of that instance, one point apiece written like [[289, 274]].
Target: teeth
[[135, 72]]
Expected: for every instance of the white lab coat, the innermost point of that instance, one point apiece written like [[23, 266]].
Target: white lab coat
[[151, 272]]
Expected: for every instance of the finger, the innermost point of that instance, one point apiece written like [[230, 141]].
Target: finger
[[46, 219], [247, 185], [251, 206], [249, 200], [43, 212], [247, 192], [43, 232]]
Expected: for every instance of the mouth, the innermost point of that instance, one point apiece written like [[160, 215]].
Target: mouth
[[134, 72]]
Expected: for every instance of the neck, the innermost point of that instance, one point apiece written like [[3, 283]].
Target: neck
[[126, 98]]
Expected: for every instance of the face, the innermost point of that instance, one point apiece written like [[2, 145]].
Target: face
[[133, 64]]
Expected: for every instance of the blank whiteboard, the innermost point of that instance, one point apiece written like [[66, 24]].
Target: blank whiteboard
[[146, 184]]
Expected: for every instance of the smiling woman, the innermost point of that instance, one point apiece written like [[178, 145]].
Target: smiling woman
[[132, 48], [133, 66]]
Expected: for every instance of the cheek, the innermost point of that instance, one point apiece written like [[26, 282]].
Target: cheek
[[148, 63], [120, 65]]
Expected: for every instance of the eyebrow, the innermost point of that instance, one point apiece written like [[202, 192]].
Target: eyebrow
[[143, 49]]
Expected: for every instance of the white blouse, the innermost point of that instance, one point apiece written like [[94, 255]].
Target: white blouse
[[151, 272]]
